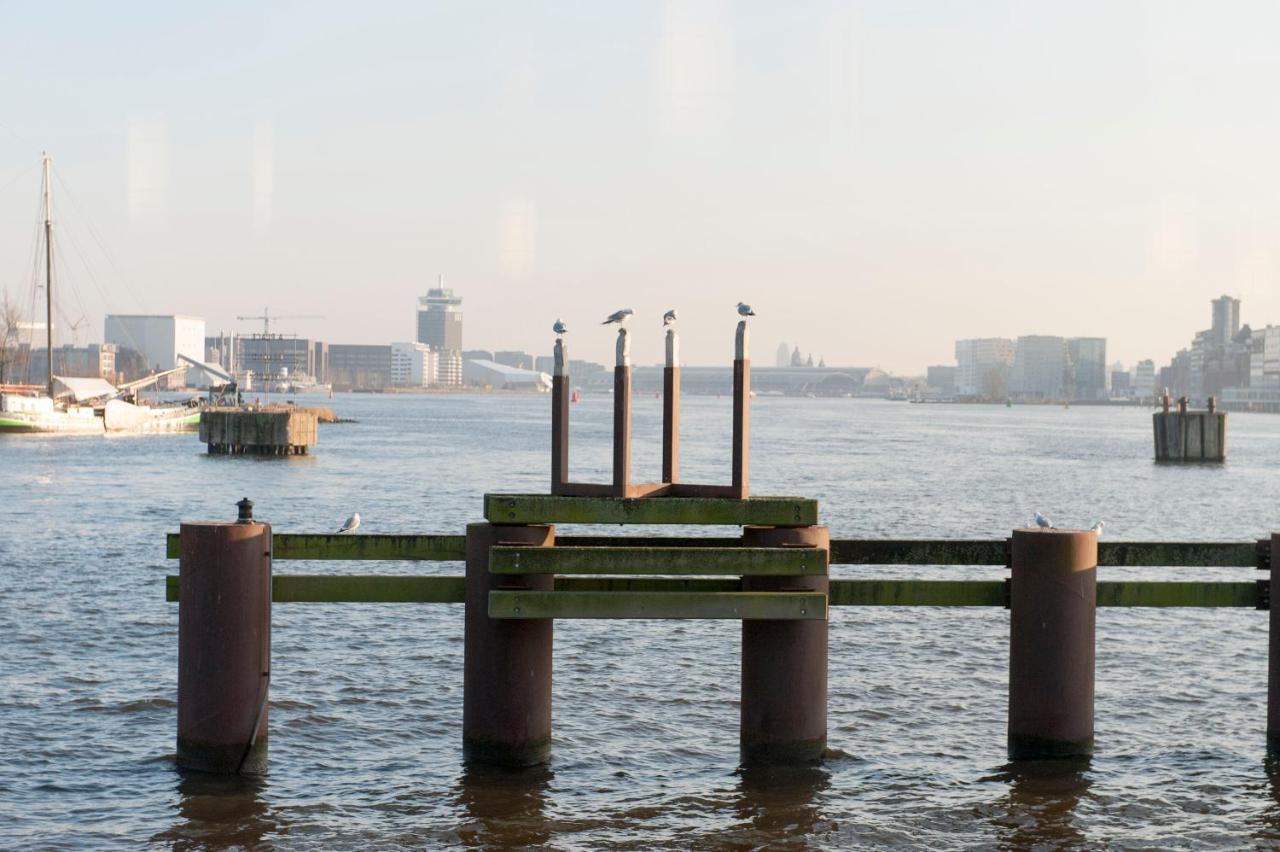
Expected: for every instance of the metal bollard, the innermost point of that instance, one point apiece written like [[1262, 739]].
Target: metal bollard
[[506, 683], [1051, 643], [224, 645], [1273, 655], [784, 665]]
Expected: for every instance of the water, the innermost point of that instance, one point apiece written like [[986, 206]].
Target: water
[[367, 699]]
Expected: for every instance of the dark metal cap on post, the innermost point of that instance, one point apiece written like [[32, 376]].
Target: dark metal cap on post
[[245, 507]]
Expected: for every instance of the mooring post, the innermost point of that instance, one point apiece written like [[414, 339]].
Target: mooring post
[[622, 415], [224, 645], [1273, 655], [741, 410], [559, 418], [784, 664], [1053, 604], [671, 410], [506, 682]]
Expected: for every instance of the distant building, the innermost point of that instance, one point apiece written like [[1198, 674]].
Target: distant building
[[783, 358], [1121, 385], [275, 356], [1143, 380], [1039, 368], [504, 377], [942, 379], [477, 355], [1088, 368], [359, 366], [95, 361], [982, 367], [1226, 319], [797, 360], [440, 319], [413, 365], [159, 339], [514, 358]]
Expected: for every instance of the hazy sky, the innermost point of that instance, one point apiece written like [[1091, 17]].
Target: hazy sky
[[876, 178]]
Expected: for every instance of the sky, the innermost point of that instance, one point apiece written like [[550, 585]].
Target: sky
[[877, 179]]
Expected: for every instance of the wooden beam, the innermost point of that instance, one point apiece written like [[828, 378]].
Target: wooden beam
[[348, 588], [917, 592], [547, 509], [391, 548], [739, 561], [676, 605]]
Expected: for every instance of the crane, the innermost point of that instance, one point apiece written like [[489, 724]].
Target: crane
[[267, 317]]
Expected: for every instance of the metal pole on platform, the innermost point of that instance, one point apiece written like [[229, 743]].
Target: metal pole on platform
[[741, 411], [784, 664], [560, 418], [1053, 605], [622, 415], [671, 410], [224, 645], [506, 683]]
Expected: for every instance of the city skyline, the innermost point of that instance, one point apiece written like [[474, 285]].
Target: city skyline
[[855, 172]]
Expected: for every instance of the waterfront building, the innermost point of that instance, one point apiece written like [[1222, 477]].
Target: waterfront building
[[95, 361], [982, 367], [1121, 384], [413, 365], [359, 366], [1088, 368], [1040, 364], [440, 319], [158, 338], [941, 378], [514, 358], [1226, 320], [276, 356], [492, 374], [1143, 379], [783, 356]]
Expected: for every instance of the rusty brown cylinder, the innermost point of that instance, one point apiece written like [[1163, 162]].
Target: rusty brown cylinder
[[559, 432], [506, 683], [784, 665], [741, 427], [1053, 606], [621, 430], [1273, 654], [224, 647]]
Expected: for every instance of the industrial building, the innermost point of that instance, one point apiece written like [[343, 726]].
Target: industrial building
[[158, 338]]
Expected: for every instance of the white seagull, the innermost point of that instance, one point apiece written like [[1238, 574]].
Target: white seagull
[[352, 524], [669, 317], [1043, 522], [619, 317], [1097, 528], [559, 327], [744, 310]]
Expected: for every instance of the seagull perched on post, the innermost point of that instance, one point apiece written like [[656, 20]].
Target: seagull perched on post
[[669, 317], [744, 310], [1097, 528], [352, 524], [1042, 522], [559, 327], [619, 317]]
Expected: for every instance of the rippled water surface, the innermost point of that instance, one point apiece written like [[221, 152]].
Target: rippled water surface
[[367, 699]]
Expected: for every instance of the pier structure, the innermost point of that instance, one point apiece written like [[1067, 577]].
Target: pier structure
[[1190, 436], [273, 431]]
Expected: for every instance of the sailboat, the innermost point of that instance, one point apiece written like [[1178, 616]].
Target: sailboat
[[83, 406]]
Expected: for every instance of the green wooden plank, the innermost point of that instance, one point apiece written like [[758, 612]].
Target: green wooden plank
[[742, 561], [1169, 554], [790, 606], [1182, 594], [646, 584], [917, 592], [845, 551], [394, 548], [364, 588], [547, 509]]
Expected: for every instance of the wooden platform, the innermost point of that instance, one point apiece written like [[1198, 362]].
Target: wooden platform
[[549, 509], [733, 561]]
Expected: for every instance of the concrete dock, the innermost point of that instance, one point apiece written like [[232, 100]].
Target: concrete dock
[[276, 431]]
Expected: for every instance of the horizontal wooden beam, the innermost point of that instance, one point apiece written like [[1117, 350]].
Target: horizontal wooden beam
[[546, 509], [727, 605], [1181, 594], [361, 588], [917, 593], [391, 548], [742, 561]]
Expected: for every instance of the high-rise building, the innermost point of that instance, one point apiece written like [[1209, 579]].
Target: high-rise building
[[158, 338], [783, 358], [1088, 373], [982, 367], [1226, 319], [440, 319], [413, 365], [1039, 368], [1144, 379]]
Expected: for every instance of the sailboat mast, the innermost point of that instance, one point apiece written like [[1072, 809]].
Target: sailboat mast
[[48, 270]]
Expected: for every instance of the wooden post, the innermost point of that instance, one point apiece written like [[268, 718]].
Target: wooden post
[[741, 411], [671, 410], [784, 664], [1273, 654], [1051, 643], [224, 646], [506, 682], [622, 416], [560, 419]]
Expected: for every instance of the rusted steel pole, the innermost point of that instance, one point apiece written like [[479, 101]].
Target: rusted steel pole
[[671, 410], [741, 411], [560, 419], [784, 665], [1273, 654], [1051, 643], [506, 682], [224, 646], [622, 416]]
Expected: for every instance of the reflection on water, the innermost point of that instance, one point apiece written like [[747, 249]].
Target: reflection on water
[[777, 805], [1039, 810], [220, 810], [1269, 819], [504, 807]]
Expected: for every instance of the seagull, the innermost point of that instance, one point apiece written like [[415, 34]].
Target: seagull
[[669, 317], [619, 317], [1043, 522], [744, 310], [559, 327], [1097, 528], [352, 524]]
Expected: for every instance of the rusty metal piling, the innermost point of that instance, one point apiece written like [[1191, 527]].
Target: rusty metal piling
[[1053, 605]]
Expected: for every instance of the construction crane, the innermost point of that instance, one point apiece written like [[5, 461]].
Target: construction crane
[[267, 319]]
